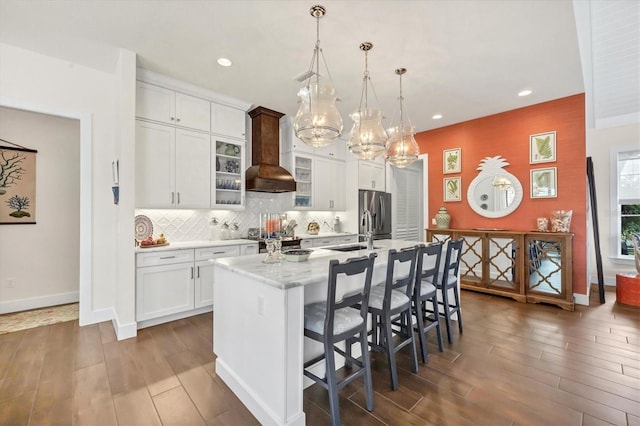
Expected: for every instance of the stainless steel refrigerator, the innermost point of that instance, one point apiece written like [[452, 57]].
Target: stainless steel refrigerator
[[379, 204]]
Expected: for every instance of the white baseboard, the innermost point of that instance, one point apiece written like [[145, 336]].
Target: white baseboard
[[581, 299], [608, 280], [173, 317], [124, 331], [94, 317], [38, 302]]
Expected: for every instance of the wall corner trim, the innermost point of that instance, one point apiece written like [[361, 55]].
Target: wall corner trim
[[124, 331]]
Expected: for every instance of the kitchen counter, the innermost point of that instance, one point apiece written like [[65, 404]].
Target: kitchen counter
[[324, 235], [258, 329], [195, 244]]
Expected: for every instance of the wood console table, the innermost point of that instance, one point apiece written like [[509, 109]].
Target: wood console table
[[533, 267]]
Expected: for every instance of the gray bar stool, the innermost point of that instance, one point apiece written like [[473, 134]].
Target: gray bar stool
[[334, 321], [392, 299], [450, 281], [427, 273]]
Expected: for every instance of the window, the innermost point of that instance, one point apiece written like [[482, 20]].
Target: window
[[628, 200]]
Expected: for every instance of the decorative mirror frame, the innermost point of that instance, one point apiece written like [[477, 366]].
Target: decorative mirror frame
[[493, 167]]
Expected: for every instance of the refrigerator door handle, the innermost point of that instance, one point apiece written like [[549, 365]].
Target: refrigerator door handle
[[383, 219]]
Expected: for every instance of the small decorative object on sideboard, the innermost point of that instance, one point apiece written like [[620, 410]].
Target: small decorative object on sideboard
[[542, 224], [561, 220], [443, 218]]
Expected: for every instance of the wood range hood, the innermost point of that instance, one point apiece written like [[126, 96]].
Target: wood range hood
[[265, 173]]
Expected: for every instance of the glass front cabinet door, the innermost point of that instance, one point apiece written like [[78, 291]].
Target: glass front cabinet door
[[549, 269], [227, 188], [303, 167]]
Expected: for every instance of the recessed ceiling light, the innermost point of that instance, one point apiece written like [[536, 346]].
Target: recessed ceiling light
[[524, 92], [224, 62], [437, 116]]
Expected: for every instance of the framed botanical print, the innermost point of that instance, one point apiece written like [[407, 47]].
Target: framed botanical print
[[542, 148], [544, 183], [452, 160], [452, 189], [17, 185]]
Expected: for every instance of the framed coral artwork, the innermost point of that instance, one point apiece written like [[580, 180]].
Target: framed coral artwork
[[542, 148], [452, 160], [17, 185]]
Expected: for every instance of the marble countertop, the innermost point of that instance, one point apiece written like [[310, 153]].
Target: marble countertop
[[324, 235], [195, 244], [287, 274]]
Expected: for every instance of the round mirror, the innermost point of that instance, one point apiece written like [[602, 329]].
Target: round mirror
[[494, 192]]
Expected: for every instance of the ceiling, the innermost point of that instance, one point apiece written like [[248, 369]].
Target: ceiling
[[465, 58]]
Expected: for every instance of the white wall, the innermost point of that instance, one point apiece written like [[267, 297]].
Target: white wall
[[42, 260], [41, 83], [600, 144]]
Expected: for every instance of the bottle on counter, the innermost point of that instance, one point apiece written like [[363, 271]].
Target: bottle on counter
[[214, 229], [225, 232]]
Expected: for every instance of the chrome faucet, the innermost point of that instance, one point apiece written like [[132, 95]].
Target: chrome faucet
[[367, 222]]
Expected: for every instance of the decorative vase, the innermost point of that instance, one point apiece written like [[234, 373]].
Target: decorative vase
[[442, 218]]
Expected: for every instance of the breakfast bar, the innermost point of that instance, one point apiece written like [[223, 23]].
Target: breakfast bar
[[258, 326]]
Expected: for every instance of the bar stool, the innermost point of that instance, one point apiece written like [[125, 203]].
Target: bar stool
[[334, 321], [450, 281], [427, 273], [392, 299]]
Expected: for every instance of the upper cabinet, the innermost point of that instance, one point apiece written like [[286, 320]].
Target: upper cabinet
[[172, 167], [168, 106], [228, 121], [371, 175], [228, 155]]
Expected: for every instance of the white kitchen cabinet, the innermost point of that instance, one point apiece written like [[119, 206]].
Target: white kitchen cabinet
[[173, 167], [307, 243], [247, 249], [288, 140], [346, 239], [176, 281], [158, 103], [330, 186], [303, 172], [335, 150], [165, 288], [228, 121], [371, 175], [227, 183], [204, 282]]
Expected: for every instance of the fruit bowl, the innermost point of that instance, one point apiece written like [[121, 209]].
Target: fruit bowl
[[296, 255]]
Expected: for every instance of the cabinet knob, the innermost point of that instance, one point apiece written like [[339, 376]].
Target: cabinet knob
[[172, 118], [177, 119]]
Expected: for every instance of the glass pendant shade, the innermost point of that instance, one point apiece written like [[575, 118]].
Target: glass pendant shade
[[402, 148], [368, 137], [317, 122]]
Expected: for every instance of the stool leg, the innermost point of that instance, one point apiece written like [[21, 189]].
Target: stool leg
[[414, 355], [421, 336], [332, 382], [447, 314], [347, 349], [391, 353], [366, 364], [457, 297], [434, 302]]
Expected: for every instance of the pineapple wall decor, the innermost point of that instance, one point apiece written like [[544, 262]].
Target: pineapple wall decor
[[542, 148], [494, 192]]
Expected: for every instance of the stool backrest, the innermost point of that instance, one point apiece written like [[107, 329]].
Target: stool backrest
[[362, 266], [428, 263], [452, 258], [405, 257]]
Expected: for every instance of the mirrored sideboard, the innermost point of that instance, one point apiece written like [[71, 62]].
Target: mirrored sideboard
[[533, 267]]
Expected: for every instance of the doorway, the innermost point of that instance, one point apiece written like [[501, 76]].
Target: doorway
[[408, 201]]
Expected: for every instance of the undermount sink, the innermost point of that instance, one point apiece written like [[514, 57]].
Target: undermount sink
[[349, 248]]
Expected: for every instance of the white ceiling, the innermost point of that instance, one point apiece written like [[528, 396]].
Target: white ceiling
[[465, 58]]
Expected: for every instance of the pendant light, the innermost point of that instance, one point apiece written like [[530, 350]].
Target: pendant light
[[317, 122], [402, 148], [367, 138]]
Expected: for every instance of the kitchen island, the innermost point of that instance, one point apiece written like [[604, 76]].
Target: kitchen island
[[258, 326]]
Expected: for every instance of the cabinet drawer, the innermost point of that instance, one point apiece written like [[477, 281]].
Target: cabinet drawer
[[321, 242], [347, 239], [217, 252], [167, 257]]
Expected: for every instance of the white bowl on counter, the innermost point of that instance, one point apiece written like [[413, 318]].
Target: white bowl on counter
[[296, 255]]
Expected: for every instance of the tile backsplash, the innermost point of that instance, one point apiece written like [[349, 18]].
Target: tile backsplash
[[192, 225]]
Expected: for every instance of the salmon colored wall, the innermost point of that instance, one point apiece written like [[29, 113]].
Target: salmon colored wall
[[507, 134]]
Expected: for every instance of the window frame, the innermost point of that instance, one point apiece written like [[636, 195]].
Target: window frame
[[616, 209]]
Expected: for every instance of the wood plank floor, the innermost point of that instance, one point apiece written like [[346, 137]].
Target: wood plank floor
[[515, 364]]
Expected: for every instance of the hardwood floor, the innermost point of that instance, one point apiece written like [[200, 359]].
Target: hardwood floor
[[515, 364]]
